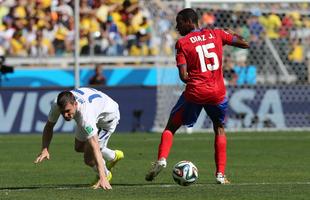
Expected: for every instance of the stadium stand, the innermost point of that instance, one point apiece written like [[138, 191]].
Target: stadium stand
[[279, 33]]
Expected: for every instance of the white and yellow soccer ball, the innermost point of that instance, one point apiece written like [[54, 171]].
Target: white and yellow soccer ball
[[185, 173]]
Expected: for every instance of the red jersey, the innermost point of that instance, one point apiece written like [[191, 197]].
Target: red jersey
[[202, 51]]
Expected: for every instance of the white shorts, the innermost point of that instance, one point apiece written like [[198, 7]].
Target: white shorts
[[104, 133]]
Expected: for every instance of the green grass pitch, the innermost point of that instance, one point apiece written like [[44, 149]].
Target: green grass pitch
[[266, 165]]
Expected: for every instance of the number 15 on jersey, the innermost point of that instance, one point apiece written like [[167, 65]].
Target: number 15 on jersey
[[203, 51]]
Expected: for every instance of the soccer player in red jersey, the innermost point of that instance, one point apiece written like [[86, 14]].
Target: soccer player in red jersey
[[199, 60]]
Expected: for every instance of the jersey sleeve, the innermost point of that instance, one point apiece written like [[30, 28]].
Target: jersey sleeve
[[227, 37], [180, 57], [54, 113]]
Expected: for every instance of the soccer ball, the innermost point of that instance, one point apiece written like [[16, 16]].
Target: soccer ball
[[185, 173]]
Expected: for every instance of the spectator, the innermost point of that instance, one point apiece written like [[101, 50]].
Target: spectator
[[4, 10], [60, 40], [7, 34], [18, 45], [64, 8], [115, 40], [255, 27], [19, 10], [101, 41], [272, 24], [97, 78], [256, 39], [296, 58], [230, 75], [143, 36], [246, 73], [41, 46]]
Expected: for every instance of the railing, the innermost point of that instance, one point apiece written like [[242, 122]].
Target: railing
[[89, 60]]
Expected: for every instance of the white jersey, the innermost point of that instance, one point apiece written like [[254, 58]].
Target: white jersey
[[95, 110]]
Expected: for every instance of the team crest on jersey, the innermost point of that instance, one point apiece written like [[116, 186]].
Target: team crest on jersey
[[89, 129]]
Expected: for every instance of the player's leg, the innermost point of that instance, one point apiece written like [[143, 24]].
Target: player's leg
[[183, 113], [220, 144], [79, 145], [80, 140], [174, 123], [217, 114], [111, 156], [89, 160]]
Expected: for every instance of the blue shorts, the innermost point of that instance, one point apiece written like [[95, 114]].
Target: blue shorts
[[189, 112]]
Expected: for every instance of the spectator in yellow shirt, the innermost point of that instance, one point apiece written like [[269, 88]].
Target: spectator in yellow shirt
[[18, 45], [41, 46], [272, 24], [296, 59]]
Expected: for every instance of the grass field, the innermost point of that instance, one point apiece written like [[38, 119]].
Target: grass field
[[260, 166]]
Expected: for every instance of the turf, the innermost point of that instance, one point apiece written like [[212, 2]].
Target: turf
[[268, 165]]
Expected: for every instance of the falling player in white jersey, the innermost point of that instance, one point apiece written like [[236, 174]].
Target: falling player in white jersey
[[96, 116]]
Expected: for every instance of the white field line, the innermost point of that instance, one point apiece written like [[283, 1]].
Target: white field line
[[152, 186], [251, 138]]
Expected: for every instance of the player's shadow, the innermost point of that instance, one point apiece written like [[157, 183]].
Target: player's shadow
[[73, 186], [52, 186], [85, 186]]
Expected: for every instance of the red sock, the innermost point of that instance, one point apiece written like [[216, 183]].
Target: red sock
[[220, 153], [165, 144]]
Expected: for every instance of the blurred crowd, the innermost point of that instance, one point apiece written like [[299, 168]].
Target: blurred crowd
[[278, 33], [46, 28]]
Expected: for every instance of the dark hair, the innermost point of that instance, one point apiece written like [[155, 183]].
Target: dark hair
[[64, 98], [188, 14]]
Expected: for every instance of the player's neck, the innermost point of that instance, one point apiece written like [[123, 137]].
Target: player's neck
[[197, 29]]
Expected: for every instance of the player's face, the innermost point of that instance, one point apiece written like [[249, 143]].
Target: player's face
[[68, 111], [183, 27]]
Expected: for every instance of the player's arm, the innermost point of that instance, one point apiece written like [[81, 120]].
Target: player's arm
[[181, 62], [238, 40], [46, 140], [183, 72], [103, 182]]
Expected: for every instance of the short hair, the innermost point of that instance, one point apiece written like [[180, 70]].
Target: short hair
[[188, 14], [64, 98]]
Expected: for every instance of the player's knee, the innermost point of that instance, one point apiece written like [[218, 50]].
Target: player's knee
[[89, 161], [219, 128], [172, 126], [79, 146], [79, 149]]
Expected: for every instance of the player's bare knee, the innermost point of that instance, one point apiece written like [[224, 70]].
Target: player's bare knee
[[89, 161], [79, 146], [219, 128], [79, 149]]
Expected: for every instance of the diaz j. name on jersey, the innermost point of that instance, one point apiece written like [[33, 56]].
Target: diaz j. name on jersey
[[94, 110], [201, 51]]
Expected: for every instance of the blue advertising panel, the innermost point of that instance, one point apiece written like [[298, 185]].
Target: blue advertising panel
[[120, 76], [259, 107], [25, 110]]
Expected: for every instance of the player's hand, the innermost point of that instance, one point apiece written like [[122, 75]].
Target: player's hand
[[44, 155], [229, 31], [102, 183]]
